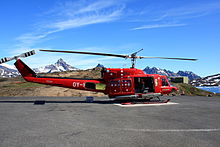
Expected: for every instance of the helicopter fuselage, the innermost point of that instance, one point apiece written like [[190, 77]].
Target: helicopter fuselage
[[131, 81], [114, 82]]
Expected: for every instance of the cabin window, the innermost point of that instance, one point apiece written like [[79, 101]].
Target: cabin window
[[100, 86], [90, 85], [97, 86], [164, 82]]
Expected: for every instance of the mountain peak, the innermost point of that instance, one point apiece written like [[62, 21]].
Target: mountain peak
[[60, 60], [59, 66], [100, 65]]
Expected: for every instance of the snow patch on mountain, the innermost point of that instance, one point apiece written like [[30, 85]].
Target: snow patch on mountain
[[169, 73], [8, 71], [155, 70], [9, 66], [59, 66], [213, 80]]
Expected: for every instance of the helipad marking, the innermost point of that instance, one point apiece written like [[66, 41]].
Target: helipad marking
[[141, 105]]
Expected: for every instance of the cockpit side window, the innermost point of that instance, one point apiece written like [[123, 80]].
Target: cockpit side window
[[164, 82]]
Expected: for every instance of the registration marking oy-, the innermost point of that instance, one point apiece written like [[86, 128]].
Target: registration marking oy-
[[141, 105]]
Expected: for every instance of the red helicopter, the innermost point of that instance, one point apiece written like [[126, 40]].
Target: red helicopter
[[115, 82]]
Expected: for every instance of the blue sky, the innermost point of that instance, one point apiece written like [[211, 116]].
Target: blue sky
[[187, 28]]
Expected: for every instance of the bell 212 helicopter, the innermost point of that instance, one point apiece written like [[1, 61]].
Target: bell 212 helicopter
[[117, 83]]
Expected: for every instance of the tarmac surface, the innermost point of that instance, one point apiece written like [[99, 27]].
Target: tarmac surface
[[67, 122]]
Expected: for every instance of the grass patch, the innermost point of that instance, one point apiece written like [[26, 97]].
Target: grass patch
[[3, 79], [190, 90], [19, 85], [28, 85]]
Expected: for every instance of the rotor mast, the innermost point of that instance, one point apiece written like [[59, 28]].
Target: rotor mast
[[134, 57]]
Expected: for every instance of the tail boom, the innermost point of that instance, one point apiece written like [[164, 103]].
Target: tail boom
[[82, 84]]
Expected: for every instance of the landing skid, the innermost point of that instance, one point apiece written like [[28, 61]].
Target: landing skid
[[148, 100], [139, 96]]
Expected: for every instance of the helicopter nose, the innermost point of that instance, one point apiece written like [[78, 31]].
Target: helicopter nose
[[174, 89]]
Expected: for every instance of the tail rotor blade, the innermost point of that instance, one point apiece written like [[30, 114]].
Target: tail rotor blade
[[6, 59], [27, 54], [24, 55]]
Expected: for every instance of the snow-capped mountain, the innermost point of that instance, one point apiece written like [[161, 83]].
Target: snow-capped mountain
[[169, 73], [8, 71], [213, 80], [100, 65], [155, 70], [188, 74], [59, 66]]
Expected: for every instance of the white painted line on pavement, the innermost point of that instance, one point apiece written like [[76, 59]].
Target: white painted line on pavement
[[138, 105], [171, 130]]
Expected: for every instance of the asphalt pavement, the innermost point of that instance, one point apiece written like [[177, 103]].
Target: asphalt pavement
[[67, 122]]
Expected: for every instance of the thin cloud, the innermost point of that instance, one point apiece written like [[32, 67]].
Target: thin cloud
[[69, 15], [192, 11], [158, 26], [177, 17], [85, 20], [76, 14], [74, 8]]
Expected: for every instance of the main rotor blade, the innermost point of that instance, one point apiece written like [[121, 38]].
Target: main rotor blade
[[89, 53], [141, 57]]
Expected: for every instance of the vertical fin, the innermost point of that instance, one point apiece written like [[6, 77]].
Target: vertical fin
[[24, 70]]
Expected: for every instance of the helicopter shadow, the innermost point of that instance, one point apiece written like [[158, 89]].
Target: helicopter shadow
[[43, 102]]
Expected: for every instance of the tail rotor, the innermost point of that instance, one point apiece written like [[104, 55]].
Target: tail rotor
[[24, 55]]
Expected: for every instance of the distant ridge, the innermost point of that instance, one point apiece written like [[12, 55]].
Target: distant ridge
[[7, 71], [169, 73]]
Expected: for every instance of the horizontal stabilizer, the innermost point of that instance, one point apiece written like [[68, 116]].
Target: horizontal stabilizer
[[24, 55]]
